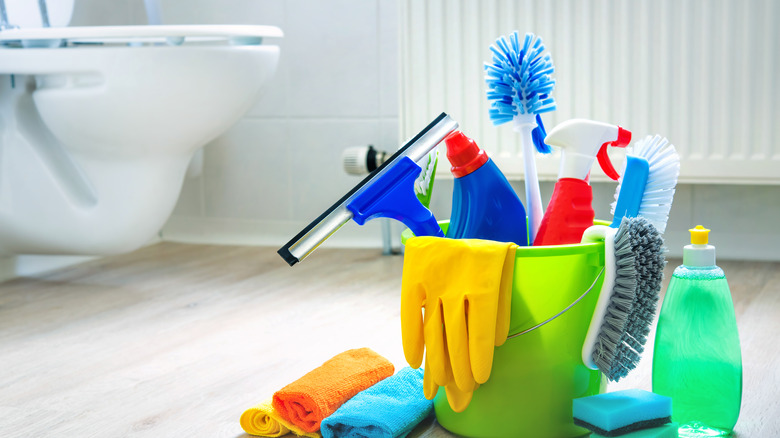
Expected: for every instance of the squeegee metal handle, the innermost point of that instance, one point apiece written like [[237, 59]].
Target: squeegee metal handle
[[322, 228], [320, 233]]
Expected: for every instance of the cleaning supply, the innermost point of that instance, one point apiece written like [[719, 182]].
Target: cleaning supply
[[484, 205], [647, 185], [519, 90], [534, 376], [314, 234], [619, 412], [263, 420], [634, 264], [310, 399], [570, 210], [697, 359], [665, 431], [464, 287], [389, 409]]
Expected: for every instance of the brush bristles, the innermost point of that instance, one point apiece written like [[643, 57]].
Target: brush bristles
[[664, 170], [639, 255], [519, 79], [620, 304], [423, 185]]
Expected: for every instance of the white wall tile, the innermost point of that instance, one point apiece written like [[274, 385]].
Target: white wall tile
[[681, 214], [388, 58], [318, 178], [334, 59], [103, 13], [269, 12], [748, 209], [190, 201], [388, 135], [247, 172]]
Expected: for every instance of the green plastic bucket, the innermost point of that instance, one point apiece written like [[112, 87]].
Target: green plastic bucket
[[536, 375]]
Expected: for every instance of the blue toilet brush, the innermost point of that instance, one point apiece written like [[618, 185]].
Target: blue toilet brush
[[519, 90]]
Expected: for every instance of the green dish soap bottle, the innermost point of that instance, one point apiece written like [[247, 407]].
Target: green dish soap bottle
[[697, 359]]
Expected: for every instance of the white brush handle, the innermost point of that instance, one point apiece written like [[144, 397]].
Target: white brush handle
[[597, 233], [525, 124]]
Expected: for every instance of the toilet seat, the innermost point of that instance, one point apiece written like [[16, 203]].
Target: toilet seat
[[168, 34], [98, 125]]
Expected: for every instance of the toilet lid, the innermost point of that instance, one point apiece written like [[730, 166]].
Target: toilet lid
[[248, 34]]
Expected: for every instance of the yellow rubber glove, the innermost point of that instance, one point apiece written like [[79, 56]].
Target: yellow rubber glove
[[464, 287]]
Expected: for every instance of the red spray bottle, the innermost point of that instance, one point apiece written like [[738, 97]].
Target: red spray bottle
[[570, 210]]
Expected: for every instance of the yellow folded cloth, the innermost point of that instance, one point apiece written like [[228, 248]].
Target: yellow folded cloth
[[263, 420], [465, 289]]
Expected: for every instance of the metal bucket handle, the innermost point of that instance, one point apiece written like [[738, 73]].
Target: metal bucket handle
[[514, 335]]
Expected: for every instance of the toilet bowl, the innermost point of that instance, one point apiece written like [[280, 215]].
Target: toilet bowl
[[98, 125]]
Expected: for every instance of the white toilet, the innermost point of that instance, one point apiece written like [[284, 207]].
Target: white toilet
[[98, 124]]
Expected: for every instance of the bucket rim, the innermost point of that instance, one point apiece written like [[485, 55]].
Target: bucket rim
[[534, 251]]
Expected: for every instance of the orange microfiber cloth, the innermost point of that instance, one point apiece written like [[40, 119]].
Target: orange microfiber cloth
[[310, 399]]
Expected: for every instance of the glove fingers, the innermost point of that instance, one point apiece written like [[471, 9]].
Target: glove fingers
[[482, 335], [505, 296], [436, 355], [430, 388], [458, 400], [457, 338], [412, 298]]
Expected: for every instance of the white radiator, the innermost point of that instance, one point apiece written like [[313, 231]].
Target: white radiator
[[702, 73]]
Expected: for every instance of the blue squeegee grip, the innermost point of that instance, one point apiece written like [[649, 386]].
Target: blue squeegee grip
[[632, 188], [392, 195]]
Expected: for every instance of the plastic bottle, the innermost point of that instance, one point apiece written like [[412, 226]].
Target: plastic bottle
[[697, 359], [484, 205]]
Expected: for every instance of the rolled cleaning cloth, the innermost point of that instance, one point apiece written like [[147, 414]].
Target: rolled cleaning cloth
[[389, 409], [263, 420], [308, 400], [465, 289]]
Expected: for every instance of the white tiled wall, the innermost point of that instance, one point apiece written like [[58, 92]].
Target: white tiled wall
[[280, 166], [337, 86], [742, 218]]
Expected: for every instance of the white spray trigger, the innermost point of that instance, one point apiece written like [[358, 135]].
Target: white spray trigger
[[582, 141]]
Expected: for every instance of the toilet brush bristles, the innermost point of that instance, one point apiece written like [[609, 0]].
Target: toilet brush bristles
[[520, 82]]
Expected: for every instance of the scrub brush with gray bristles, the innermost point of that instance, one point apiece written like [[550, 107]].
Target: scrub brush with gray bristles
[[633, 271]]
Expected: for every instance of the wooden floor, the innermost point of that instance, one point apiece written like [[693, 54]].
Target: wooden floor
[[177, 340]]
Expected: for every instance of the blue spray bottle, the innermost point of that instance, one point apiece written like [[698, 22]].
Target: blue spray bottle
[[484, 205]]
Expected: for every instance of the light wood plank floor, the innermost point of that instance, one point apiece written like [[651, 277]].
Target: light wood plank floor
[[177, 340]]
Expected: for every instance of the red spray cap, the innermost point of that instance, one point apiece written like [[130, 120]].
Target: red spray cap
[[464, 155], [623, 139]]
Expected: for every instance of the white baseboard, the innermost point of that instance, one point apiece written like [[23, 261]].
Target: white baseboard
[[218, 231], [221, 231], [729, 245]]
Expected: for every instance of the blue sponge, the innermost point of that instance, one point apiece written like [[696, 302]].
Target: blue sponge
[[665, 431], [620, 412]]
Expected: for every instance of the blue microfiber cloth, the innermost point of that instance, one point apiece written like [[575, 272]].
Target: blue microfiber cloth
[[665, 431], [389, 409], [620, 412]]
